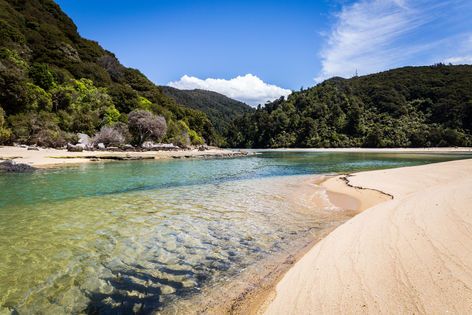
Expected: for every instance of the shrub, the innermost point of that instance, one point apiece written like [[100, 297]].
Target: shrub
[[111, 116], [5, 133], [41, 76], [109, 136], [144, 125], [39, 128]]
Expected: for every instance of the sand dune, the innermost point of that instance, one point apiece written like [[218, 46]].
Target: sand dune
[[412, 254]]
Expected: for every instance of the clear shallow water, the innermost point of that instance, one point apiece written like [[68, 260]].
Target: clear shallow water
[[138, 235]]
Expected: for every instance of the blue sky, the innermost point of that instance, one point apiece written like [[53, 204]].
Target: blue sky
[[258, 50]]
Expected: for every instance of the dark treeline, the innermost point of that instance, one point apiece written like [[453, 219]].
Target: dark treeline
[[221, 110], [406, 107], [55, 84]]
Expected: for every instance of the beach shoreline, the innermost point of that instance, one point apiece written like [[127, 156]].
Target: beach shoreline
[[405, 251], [43, 158]]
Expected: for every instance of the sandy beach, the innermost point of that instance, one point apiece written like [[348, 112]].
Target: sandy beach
[[46, 158], [408, 252]]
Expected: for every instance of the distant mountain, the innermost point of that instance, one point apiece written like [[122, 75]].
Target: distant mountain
[[54, 83], [220, 109], [405, 107]]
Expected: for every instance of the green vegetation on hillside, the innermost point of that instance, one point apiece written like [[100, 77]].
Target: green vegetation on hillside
[[221, 110], [54, 83], [406, 107]]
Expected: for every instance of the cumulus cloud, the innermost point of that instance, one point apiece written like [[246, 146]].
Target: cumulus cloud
[[465, 50], [461, 60], [248, 88], [374, 35]]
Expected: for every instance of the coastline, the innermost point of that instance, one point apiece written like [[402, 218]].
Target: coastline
[[52, 158], [406, 253]]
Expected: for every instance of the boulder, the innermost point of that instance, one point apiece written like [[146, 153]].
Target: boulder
[[74, 148], [148, 145], [101, 146], [12, 166], [84, 140]]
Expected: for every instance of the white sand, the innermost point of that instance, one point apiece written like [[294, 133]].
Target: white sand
[[54, 158], [412, 254]]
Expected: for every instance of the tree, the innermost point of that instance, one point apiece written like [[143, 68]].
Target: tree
[[5, 133], [41, 76], [144, 125]]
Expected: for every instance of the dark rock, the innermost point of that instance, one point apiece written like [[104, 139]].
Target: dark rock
[[74, 148], [14, 167], [33, 149]]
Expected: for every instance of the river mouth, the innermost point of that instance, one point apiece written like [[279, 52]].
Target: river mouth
[[145, 237]]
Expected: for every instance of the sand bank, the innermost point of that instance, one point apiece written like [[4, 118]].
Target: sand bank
[[44, 158], [411, 254]]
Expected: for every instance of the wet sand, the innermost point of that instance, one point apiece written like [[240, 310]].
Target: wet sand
[[410, 253]]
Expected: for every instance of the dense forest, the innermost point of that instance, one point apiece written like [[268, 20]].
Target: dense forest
[[54, 84], [221, 110], [406, 107]]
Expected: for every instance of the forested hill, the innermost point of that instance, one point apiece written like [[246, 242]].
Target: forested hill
[[54, 83], [220, 109], [406, 107]]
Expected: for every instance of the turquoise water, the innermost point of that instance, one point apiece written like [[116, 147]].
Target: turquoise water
[[101, 179], [138, 236]]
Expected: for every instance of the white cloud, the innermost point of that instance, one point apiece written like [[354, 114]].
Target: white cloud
[[374, 35], [464, 53], [248, 89], [461, 60]]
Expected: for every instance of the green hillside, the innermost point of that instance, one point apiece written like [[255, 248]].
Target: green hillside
[[220, 109], [54, 83], [406, 107]]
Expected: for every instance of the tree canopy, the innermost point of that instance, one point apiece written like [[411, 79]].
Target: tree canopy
[[48, 71], [406, 107]]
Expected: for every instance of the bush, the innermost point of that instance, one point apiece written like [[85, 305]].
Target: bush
[[39, 128], [5, 133], [144, 125], [41, 76], [109, 136], [182, 139]]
